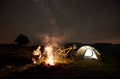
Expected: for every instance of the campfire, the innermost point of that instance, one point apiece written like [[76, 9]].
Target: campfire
[[50, 56], [53, 52]]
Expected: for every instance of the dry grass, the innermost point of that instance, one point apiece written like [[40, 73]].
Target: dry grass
[[70, 70]]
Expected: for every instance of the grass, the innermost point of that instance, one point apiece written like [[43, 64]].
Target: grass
[[73, 69], [19, 66]]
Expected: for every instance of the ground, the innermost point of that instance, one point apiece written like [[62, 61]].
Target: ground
[[18, 65], [83, 69]]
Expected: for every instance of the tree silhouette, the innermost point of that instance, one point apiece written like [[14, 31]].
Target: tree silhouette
[[22, 40]]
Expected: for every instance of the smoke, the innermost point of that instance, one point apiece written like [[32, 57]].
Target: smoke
[[52, 45], [52, 40]]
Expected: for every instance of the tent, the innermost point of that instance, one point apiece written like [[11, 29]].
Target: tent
[[88, 52]]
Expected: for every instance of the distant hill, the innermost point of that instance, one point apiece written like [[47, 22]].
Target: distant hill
[[10, 48], [106, 49]]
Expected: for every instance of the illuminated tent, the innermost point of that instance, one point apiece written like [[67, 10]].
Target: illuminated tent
[[88, 52]]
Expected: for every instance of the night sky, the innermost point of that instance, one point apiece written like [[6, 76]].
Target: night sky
[[84, 21]]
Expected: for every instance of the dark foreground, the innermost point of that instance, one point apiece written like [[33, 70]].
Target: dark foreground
[[85, 69], [15, 63]]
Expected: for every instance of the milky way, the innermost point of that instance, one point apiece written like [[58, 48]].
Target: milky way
[[82, 21]]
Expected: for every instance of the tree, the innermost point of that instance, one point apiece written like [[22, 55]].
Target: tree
[[22, 40]]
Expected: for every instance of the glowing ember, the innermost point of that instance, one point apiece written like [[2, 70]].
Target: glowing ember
[[49, 52]]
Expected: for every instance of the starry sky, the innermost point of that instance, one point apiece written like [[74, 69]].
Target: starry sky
[[84, 21]]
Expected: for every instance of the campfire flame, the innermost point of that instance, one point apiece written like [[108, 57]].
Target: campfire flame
[[50, 53], [50, 56], [36, 53]]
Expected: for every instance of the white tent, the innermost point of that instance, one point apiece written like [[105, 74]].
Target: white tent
[[88, 52]]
